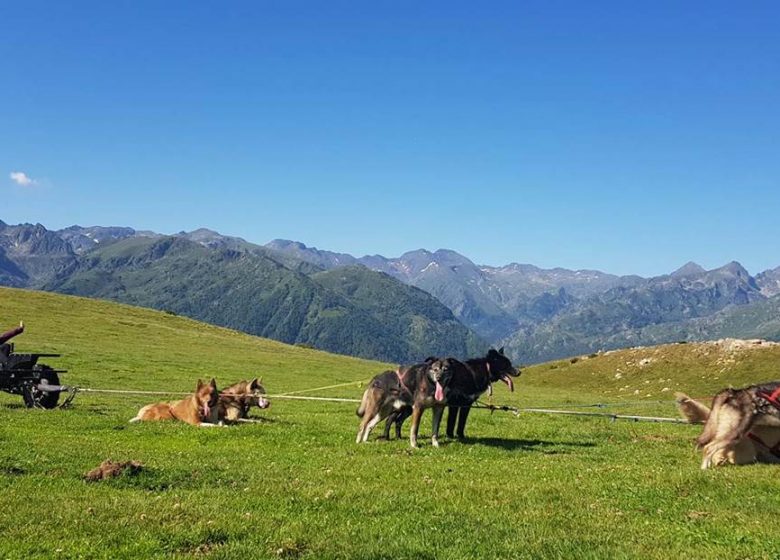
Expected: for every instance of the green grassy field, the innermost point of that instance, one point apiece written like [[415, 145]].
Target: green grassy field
[[297, 486]]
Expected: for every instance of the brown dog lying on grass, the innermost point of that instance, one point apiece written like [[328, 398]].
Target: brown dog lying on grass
[[742, 427], [236, 401], [199, 409]]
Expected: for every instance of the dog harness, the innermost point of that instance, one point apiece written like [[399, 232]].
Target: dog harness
[[401, 380], [771, 398]]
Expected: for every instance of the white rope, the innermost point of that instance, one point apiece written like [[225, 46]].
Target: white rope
[[129, 392], [606, 415], [302, 398], [179, 393], [515, 410], [283, 395]]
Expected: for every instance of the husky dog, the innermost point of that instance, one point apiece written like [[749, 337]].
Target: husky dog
[[235, 401], [199, 409], [399, 415], [419, 386], [743, 425]]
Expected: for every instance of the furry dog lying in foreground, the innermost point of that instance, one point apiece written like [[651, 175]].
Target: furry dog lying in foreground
[[199, 409], [742, 427]]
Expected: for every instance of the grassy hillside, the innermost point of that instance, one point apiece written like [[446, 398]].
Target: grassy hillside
[[409, 314], [297, 486], [656, 372], [251, 292], [106, 344], [759, 319]]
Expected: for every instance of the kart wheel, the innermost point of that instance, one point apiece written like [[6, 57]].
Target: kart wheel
[[35, 398]]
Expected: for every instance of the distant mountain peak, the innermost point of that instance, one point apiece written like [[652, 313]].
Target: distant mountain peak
[[312, 255], [448, 252], [416, 253], [421, 258], [733, 268], [520, 267], [689, 269], [452, 257], [201, 235], [285, 243], [203, 231]]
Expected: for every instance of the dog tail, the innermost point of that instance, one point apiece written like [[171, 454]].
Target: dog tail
[[711, 426], [730, 418], [140, 415], [361, 410], [694, 412]]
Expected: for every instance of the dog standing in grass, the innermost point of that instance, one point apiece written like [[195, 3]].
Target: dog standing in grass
[[199, 409], [419, 386], [469, 380], [472, 378], [742, 427]]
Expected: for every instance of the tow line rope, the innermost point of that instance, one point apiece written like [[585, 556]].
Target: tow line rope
[[516, 411], [182, 393], [295, 395]]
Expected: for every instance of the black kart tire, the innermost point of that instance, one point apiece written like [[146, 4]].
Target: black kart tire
[[35, 398]]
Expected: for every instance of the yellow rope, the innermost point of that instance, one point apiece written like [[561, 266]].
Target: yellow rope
[[356, 383]]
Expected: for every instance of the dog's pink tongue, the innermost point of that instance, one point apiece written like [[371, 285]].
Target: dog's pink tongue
[[439, 394], [508, 380]]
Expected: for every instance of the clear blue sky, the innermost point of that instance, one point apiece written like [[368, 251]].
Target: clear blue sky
[[624, 136]]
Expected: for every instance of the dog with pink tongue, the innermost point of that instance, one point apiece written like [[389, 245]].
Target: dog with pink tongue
[[413, 388]]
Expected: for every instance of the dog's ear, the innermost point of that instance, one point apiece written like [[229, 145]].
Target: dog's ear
[[501, 350], [213, 383], [200, 384], [253, 385]]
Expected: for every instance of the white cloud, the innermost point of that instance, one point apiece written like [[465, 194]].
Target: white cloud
[[21, 178]]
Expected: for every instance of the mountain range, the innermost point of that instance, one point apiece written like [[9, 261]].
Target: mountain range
[[547, 314], [230, 282], [398, 309]]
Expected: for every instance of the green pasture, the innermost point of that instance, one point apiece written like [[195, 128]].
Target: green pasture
[[297, 486]]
